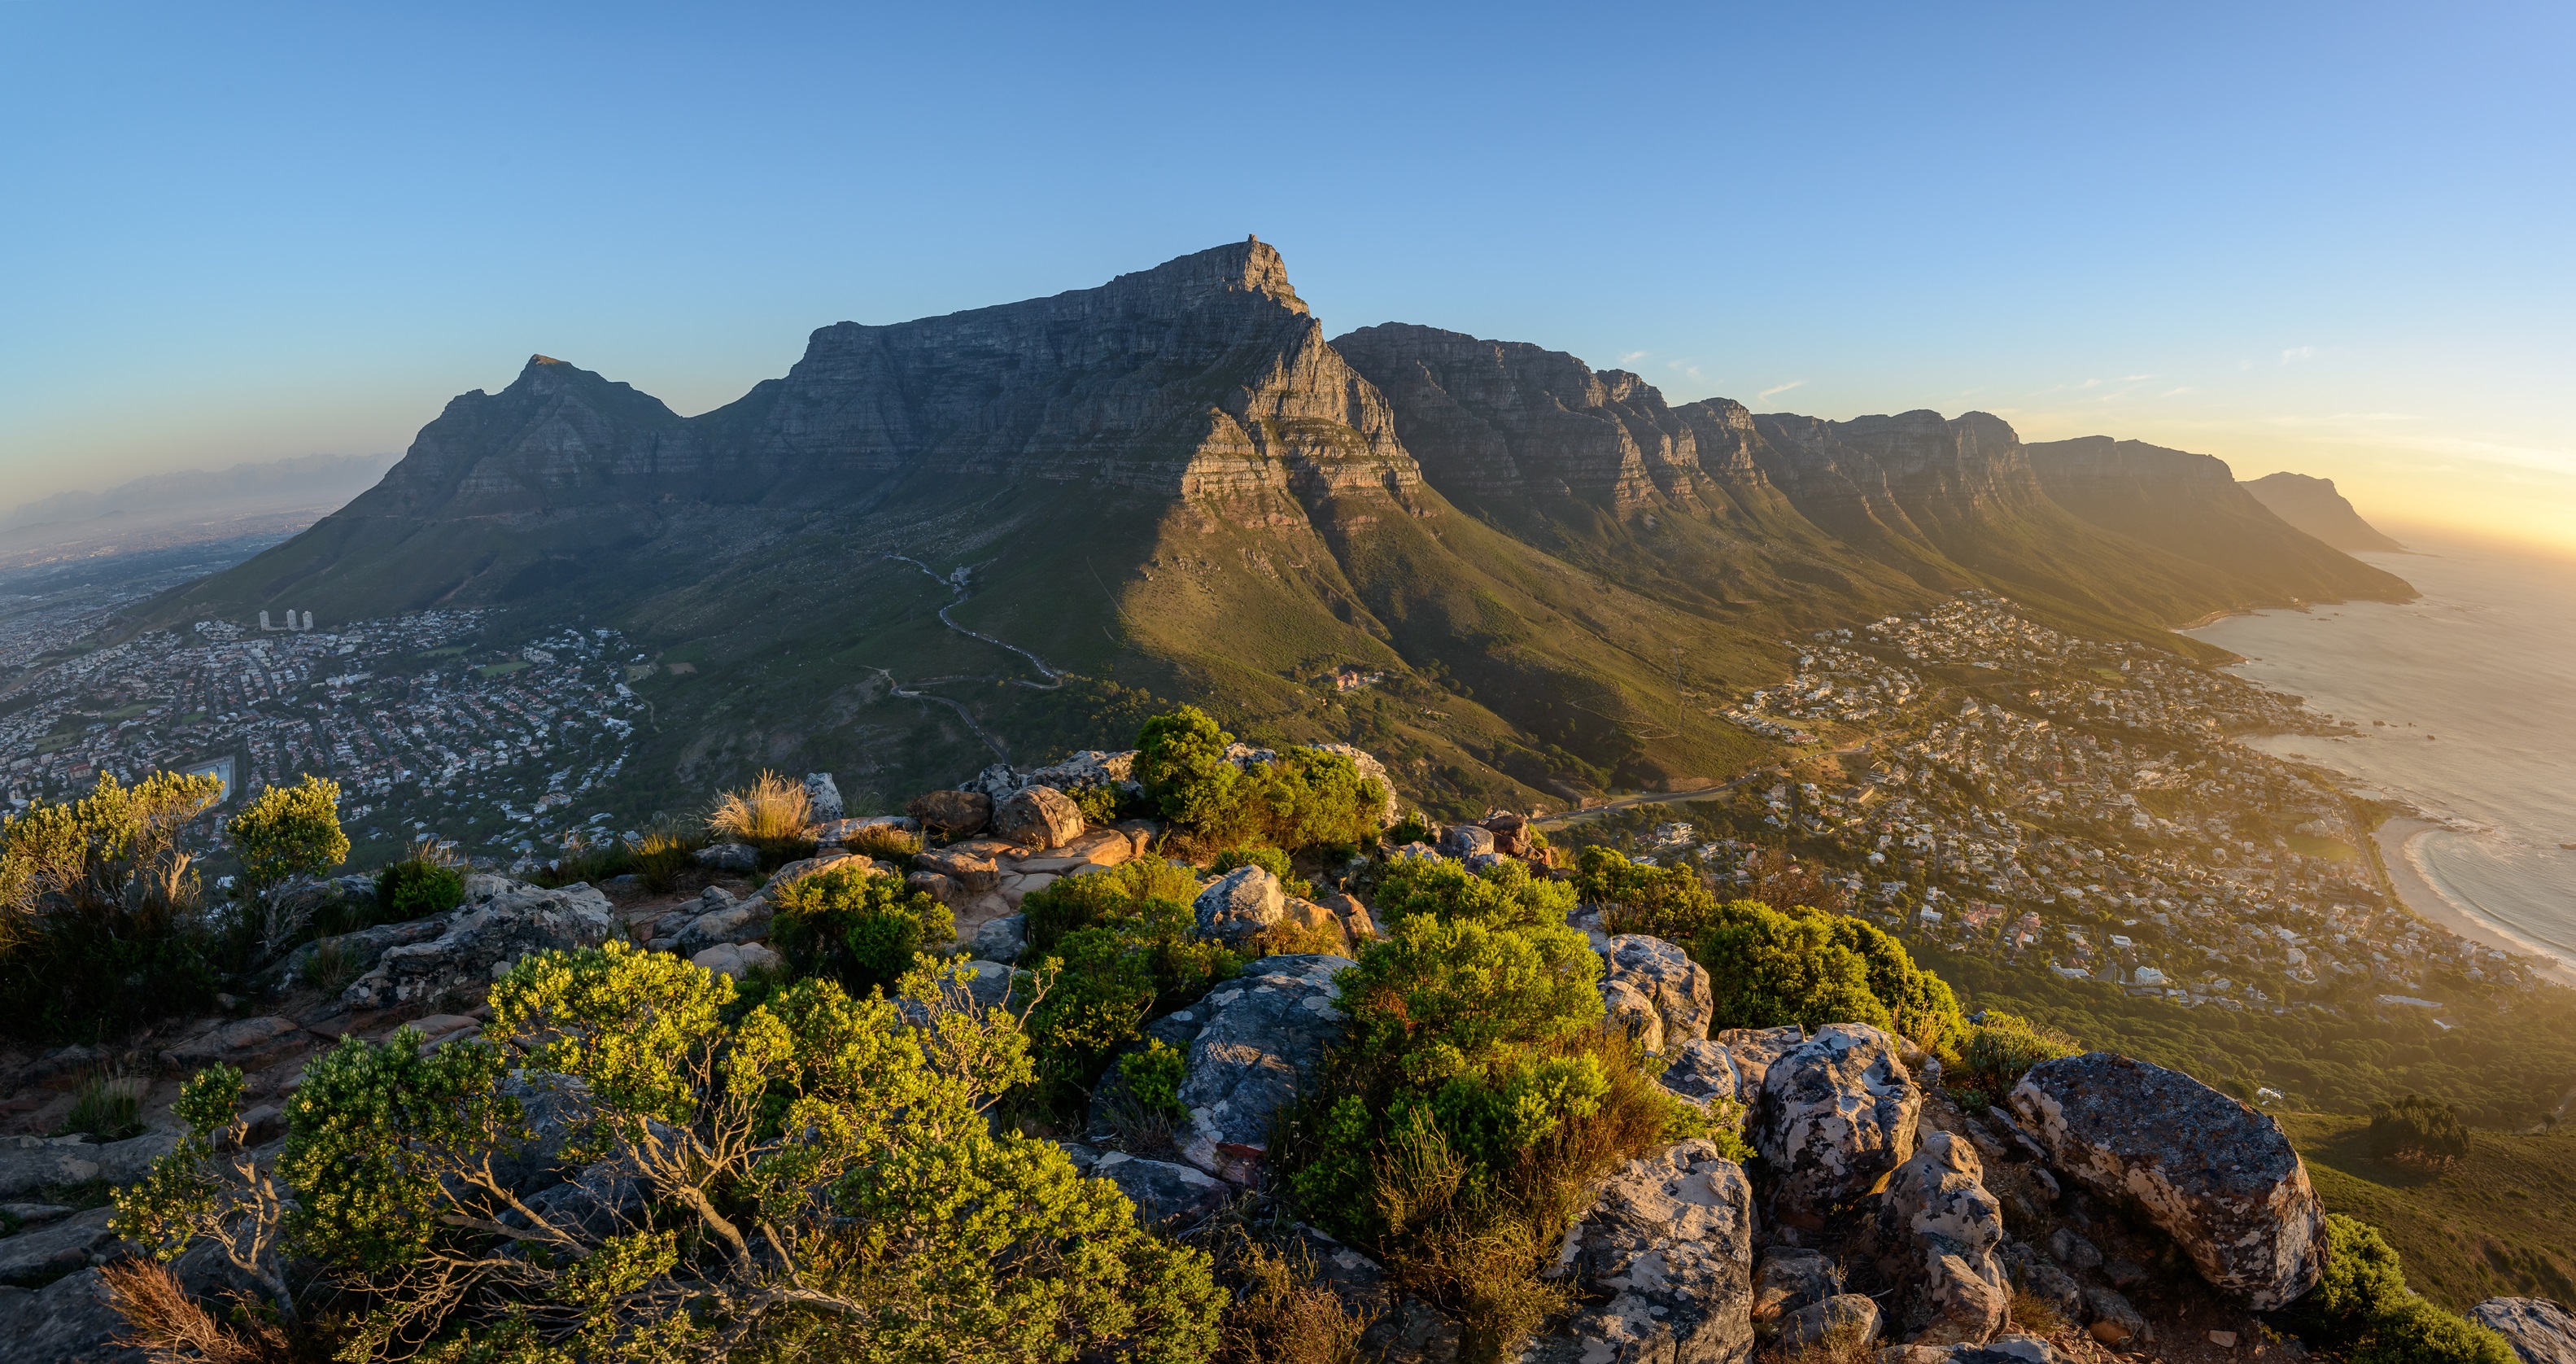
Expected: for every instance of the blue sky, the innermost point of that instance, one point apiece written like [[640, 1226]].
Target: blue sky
[[2325, 237]]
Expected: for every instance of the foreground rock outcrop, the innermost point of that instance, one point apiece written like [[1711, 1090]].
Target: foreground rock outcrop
[[2540, 1331], [500, 922], [1938, 1231], [1837, 1112], [1669, 1242], [1266, 1034], [2216, 1175]]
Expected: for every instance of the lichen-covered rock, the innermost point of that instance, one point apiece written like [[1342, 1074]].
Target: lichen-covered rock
[[2114, 1321], [1789, 1278], [1238, 905], [1938, 1230], [1264, 1034], [737, 921], [2218, 1176], [2540, 1331], [1855, 1314], [823, 796], [1664, 973], [736, 961], [500, 922], [953, 813], [1037, 817], [1167, 1196], [1002, 939], [1626, 1009], [1701, 1071], [740, 857], [1754, 1049], [1669, 1243], [1837, 1111], [971, 873], [1466, 840], [1511, 834]]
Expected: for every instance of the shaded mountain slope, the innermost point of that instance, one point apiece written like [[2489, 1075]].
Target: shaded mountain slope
[[2193, 506], [2313, 505]]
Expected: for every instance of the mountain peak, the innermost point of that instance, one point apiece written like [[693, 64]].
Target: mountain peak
[[1250, 266]]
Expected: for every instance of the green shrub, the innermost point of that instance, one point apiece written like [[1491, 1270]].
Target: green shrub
[[1112, 950], [289, 831], [1997, 1050], [2362, 1302], [850, 925], [891, 1221], [1304, 798], [2424, 1129], [416, 888], [102, 917], [1503, 895], [1153, 1075], [1665, 902], [1270, 860], [1073, 902], [1769, 967], [1477, 1099]]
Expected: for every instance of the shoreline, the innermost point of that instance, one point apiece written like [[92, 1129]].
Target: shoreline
[[2397, 841]]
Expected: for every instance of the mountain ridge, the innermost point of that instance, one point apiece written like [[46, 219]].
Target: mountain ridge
[[1174, 486]]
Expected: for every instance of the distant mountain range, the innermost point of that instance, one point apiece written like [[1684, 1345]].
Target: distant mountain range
[[1174, 487], [160, 511], [2313, 505]]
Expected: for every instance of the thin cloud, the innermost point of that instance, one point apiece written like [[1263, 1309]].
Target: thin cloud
[[2296, 353], [1783, 388], [1632, 357], [2175, 392], [2135, 378]]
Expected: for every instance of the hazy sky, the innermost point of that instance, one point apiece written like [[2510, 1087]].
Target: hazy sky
[[2334, 238]]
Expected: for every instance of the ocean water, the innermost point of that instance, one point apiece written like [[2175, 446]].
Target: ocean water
[[2476, 686]]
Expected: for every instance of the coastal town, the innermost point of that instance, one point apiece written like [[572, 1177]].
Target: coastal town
[[430, 728], [1986, 783]]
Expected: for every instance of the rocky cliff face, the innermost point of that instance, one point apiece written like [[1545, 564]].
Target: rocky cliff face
[[1913, 470]]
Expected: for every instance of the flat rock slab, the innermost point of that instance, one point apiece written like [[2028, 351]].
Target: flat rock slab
[[42, 1254], [1167, 1195], [30, 1163], [2540, 1331], [1265, 1033], [68, 1321], [500, 922]]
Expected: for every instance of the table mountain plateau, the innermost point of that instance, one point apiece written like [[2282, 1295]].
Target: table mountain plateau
[[1020, 528]]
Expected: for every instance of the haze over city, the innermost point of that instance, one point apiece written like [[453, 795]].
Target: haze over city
[[2319, 238]]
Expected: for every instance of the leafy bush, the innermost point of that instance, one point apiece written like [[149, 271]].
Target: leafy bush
[[2362, 1301], [420, 885], [849, 925], [1998, 1050], [1303, 798], [289, 831], [2418, 1128], [102, 920], [1666, 902], [1459, 1129], [890, 1221], [1073, 902], [774, 814], [1153, 1075], [1769, 967], [1270, 860]]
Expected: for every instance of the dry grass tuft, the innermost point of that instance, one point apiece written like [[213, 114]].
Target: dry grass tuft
[[885, 841], [774, 810], [169, 1327], [2033, 1313], [1283, 1317], [1841, 1345]]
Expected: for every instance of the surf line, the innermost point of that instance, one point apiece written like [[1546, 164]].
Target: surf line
[[956, 583]]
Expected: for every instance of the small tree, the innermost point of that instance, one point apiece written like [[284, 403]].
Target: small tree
[[289, 831], [855, 926], [818, 1180], [1181, 763]]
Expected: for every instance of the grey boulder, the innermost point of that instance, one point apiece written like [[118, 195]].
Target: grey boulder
[[1669, 1244], [1664, 973], [2216, 1175], [730, 857], [500, 922], [1238, 905], [1836, 1113], [1167, 1196], [2540, 1331], [1852, 1314], [1264, 1034], [45, 1253], [1037, 817], [68, 1321], [1938, 1230], [822, 796], [30, 1163], [1702, 1071]]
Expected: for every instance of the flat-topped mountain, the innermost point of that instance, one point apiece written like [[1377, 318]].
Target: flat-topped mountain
[[2313, 505], [935, 542]]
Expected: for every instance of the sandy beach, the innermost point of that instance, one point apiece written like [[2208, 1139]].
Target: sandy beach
[[2396, 841]]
